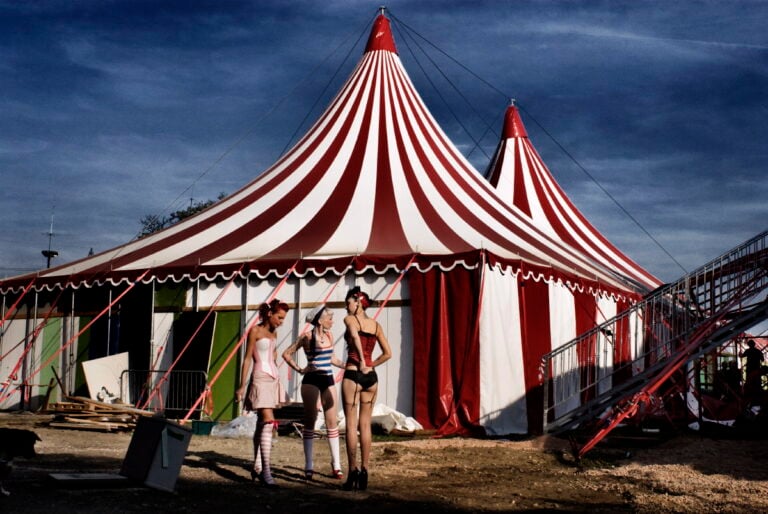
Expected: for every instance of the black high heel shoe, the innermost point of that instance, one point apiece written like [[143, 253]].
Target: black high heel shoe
[[258, 475], [362, 480], [351, 482]]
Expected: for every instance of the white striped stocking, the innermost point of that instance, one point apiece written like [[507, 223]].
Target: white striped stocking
[[333, 443], [265, 444]]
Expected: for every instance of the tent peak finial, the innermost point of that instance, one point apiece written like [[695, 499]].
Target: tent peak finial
[[381, 35], [513, 125]]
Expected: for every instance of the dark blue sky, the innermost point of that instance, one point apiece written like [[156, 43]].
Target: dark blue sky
[[651, 115]]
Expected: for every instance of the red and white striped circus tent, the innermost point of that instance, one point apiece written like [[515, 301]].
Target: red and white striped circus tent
[[475, 287], [522, 178]]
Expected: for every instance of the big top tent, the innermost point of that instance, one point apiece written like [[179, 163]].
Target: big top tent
[[477, 279]]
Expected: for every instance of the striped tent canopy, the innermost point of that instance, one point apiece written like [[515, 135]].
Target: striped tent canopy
[[376, 178], [520, 177]]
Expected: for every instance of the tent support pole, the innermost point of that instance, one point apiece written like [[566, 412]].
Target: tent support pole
[[68, 362], [109, 323], [31, 355], [152, 325]]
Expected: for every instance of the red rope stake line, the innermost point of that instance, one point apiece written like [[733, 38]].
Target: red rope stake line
[[76, 336], [36, 332], [41, 325], [16, 303], [209, 386], [700, 334], [156, 389], [6, 354], [394, 286], [12, 375]]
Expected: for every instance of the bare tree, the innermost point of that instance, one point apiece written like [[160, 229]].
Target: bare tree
[[151, 223]]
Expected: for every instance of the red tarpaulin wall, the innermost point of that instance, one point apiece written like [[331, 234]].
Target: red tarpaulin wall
[[536, 337], [446, 355]]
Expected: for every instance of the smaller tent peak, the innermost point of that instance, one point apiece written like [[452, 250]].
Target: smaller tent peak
[[513, 125], [381, 35]]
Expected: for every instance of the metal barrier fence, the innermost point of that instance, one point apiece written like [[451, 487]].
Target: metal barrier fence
[[171, 394]]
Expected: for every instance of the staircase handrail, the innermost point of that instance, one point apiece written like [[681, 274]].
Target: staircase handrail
[[669, 314]]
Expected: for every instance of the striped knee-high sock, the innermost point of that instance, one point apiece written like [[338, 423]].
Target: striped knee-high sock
[[265, 444], [257, 447], [333, 443], [308, 437]]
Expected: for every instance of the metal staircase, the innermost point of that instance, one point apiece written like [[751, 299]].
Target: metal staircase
[[613, 371]]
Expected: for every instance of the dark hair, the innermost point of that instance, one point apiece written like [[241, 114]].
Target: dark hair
[[275, 305], [360, 296]]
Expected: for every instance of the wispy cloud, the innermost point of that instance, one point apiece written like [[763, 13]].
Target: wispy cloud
[[112, 111]]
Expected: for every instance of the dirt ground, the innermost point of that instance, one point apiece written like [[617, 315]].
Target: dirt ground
[[688, 473]]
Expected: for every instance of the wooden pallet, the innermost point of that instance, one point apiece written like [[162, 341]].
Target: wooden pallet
[[81, 413]]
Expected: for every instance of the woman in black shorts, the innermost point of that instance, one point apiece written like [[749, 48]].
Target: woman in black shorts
[[318, 384], [360, 382]]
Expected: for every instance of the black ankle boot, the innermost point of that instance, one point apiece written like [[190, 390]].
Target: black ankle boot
[[362, 480], [352, 479]]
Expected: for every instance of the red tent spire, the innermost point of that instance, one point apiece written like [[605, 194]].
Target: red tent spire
[[381, 36], [513, 125]]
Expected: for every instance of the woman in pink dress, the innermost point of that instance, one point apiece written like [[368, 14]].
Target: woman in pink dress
[[259, 376]]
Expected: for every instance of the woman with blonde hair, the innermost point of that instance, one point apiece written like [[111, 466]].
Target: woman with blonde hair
[[318, 384]]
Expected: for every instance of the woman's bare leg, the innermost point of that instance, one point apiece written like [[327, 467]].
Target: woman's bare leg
[[366, 414], [351, 398], [309, 395], [328, 398]]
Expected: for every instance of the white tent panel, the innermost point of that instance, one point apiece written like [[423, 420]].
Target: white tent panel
[[606, 309], [11, 347], [562, 326], [637, 341], [502, 383]]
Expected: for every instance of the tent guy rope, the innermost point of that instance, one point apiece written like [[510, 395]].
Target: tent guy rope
[[206, 393], [16, 303], [164, 378], [77, 335], [31, 340]]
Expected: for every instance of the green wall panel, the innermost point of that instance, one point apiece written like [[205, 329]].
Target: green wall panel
[[226, 335], [51, 342], [170, 295], [82, 348]]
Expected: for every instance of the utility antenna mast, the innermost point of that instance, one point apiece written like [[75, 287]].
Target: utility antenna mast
[[50, 254]]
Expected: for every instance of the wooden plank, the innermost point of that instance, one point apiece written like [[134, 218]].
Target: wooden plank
[[47, 399], [68, 406], [80, 426], [111, 406], [108, 417], [95, 422], [91, 480]]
